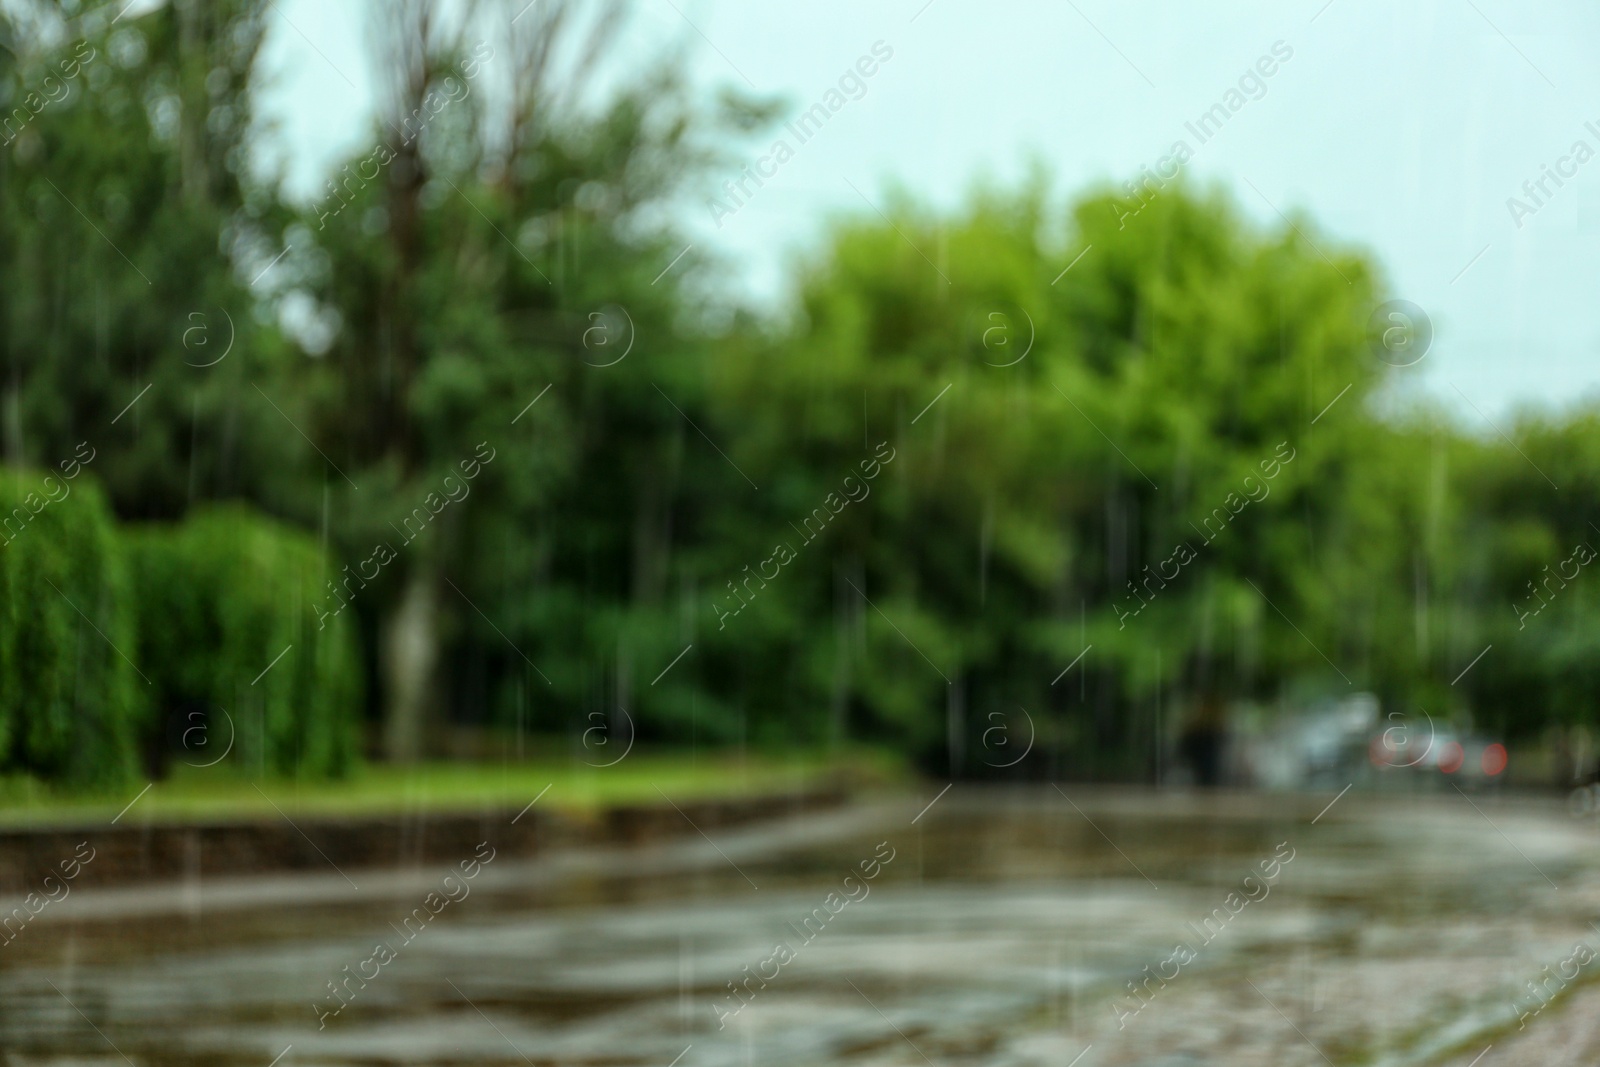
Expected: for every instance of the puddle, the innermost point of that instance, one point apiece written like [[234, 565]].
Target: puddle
[[1004, 930]]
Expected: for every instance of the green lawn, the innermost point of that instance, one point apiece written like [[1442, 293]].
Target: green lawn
[[221, 793]]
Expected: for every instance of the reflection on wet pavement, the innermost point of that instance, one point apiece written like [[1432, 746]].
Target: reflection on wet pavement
[[1003, 927]]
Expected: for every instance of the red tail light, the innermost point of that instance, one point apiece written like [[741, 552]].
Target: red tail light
[[1494, 760], [1451, 758]]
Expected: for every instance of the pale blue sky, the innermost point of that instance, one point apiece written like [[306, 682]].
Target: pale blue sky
[[1402, 131]]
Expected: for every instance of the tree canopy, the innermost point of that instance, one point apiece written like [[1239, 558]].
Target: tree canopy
[[1034, 452]]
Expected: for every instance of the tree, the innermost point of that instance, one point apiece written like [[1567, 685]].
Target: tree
[[471, 256], [1082, 426], [131, 231]]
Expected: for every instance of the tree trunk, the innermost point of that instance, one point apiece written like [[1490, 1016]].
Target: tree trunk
[[410, 654]]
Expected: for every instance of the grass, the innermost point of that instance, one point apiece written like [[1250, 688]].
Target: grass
[[222, 793]]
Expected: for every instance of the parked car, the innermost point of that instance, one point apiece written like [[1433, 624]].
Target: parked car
[[1320, 746], [1433, 750]]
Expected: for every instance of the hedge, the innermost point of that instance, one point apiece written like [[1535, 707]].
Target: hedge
[[226, 622], [71, 699]]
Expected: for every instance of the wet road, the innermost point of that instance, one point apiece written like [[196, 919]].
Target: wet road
[[1027, 927]]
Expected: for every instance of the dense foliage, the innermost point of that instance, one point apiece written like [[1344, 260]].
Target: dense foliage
[[236, 652], [71, 700], [122, 645], [574, 487]]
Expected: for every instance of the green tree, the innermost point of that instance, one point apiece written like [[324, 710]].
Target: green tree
[[226, 623], [475, 257], [1177, 362], [71, 701], [131, 231]]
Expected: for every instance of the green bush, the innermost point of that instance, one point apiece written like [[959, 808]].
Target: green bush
[[70, 699], [220, 597]]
